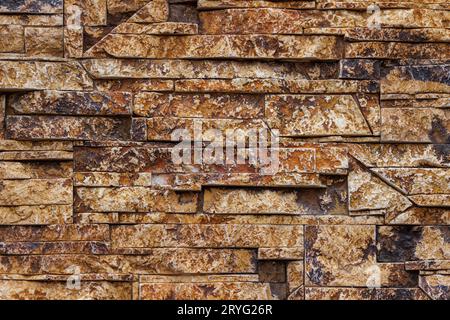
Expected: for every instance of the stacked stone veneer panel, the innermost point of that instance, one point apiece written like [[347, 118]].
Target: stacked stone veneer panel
[[91, 90]]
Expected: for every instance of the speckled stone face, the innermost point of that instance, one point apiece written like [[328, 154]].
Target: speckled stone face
[[94, 95]]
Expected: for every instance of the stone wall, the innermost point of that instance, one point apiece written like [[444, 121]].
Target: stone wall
[[91, 90]]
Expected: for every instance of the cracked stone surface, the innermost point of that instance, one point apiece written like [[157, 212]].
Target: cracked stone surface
[[93, 92]]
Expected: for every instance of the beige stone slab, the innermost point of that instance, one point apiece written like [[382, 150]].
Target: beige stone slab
[[36, 192], [431, 200], [33, 75], [315, 115], [280, 253], [415, 125], [420, 216], [331, 200], [200, 69], [133, 199], [36, 215]]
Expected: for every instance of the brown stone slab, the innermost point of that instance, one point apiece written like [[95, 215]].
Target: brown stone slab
[[165, 261], [436, 286], [203, 69], [67, 128], [210, 46], [72, 103], [57, 232], [365, 294], [308, 201], [134, 199], [407, 243], [315, 116], [247, 85], [11, 39], [416, 79], [223, 4], [329, 261], [397, 50], [200, 105], [53, 290], [203, 235], [415, 125], [33, 75], [36, 215], [32, 6], [11, 170], [206, 291], [44, 42]]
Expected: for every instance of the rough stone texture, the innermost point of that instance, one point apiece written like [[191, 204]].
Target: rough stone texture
[[92, 90]]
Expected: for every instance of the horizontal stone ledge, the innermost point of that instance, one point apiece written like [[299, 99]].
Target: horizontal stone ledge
[[273, 86], [205, 47], [295, 202], [275, 20], [158, 261], [204, 235], [35, 155], [108, 68], [67, 247], [300, 115], [199, 218], [199, 278], [330, 293], [397, 50], [195, 182]]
